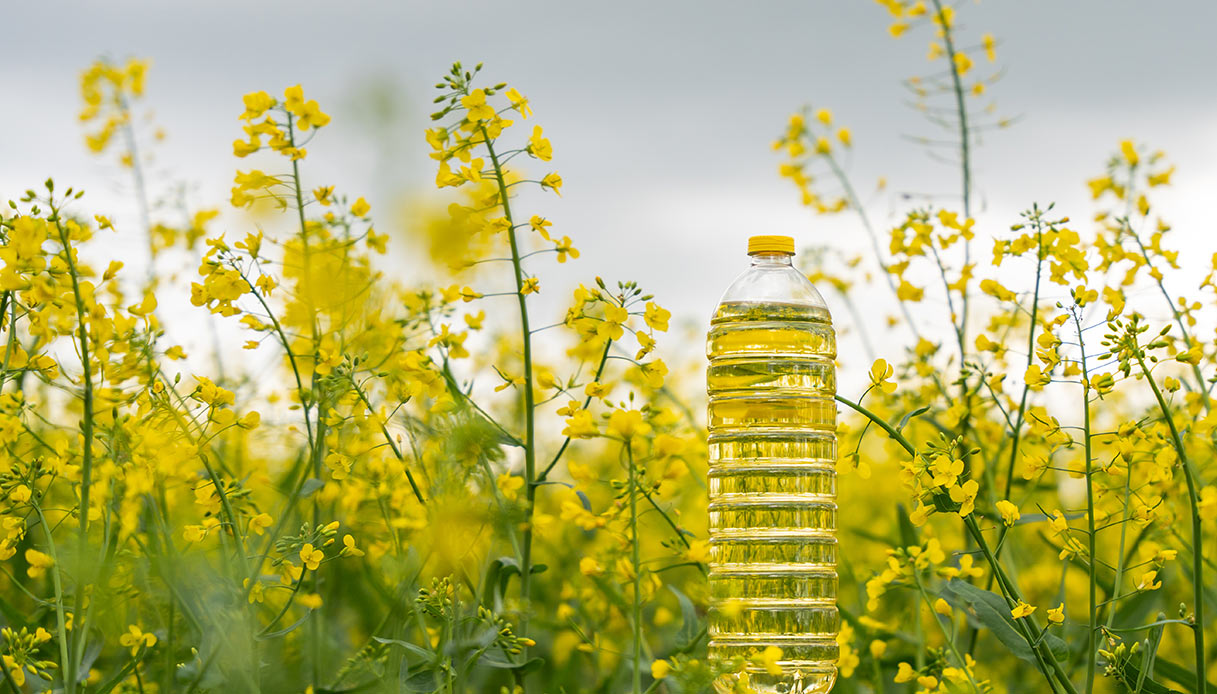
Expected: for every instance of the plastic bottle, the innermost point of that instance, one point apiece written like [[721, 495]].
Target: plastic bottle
[[773, 451]]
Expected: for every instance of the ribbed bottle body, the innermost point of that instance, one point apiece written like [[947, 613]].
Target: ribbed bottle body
[[773, 450]]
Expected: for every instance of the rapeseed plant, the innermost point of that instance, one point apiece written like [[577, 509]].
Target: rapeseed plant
[[435, 488]]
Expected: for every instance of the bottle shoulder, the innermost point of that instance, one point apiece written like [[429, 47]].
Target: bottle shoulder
[[763, 292]]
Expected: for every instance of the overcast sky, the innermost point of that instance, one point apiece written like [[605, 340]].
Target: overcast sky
[[661, 113]]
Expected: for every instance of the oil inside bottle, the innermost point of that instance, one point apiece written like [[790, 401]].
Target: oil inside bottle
[[772, 418]]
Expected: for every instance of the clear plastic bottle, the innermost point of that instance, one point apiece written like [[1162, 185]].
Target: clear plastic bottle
[[773, 452]]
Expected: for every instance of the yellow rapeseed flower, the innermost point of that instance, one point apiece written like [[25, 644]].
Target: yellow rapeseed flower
[[259, 523], [38, 562], [509, 485], [904, 673], [553, 182], [1009, 512], [137, 639], [656, 316], [590, 567], [1056, 615], [311, 557], [539, 146], [962, 63], [880, 373], [1021, 610], [965, 496], [627, 424], [1129, 150]]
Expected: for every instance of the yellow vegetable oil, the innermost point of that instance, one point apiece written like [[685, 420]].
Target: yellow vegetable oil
[[773, 451]]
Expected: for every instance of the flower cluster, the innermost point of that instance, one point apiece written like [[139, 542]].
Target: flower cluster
[[436, 482]]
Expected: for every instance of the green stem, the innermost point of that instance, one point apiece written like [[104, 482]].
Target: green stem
[[1120, 558], [227, 508], [492, 485], [1197, 540], [1187, 340], [298, 190], [287, 605], [586, 401], [636, 558], [965, 150], [8, 677], [530, 443], [287, 347], [1129, 197], [170, 647], [318, 443], [86, 429], [1092, 564], [852, 197], [389, 439], [946, 636], [1022, 403], [1009, 590], [1020, 418], [141, 190], [60, 618], [8, 301]]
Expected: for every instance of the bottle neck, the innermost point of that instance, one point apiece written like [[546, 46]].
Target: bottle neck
[[771, 259]]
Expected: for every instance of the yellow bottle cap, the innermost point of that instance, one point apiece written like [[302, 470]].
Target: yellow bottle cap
[[770, 245]]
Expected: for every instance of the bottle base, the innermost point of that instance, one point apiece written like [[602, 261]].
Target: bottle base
[[793, 680]]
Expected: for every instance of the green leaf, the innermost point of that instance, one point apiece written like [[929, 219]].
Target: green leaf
[[908, 531], [285, 630], [501, 437], [587, 503], [115, 680], [989, 610], [421, 682], [1131, 673], [411, 648], [494, 583], [1150, 653], [688, 615], [1060, 649], [490, 585], [867, 535], [1184, 676], [310, 485], [905, 420], [523, 668]]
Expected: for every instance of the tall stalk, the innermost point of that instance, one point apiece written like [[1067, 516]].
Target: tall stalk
[[1092, 563], [1022, 402], [946, 637], [141, 189], [1197, 538], [855, 204], [79, 628], [1126, 224], [317, 443], [637, 564], [530, 444], [965, 146]]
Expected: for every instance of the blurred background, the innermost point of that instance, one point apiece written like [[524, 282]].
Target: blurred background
[[661, 116]]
